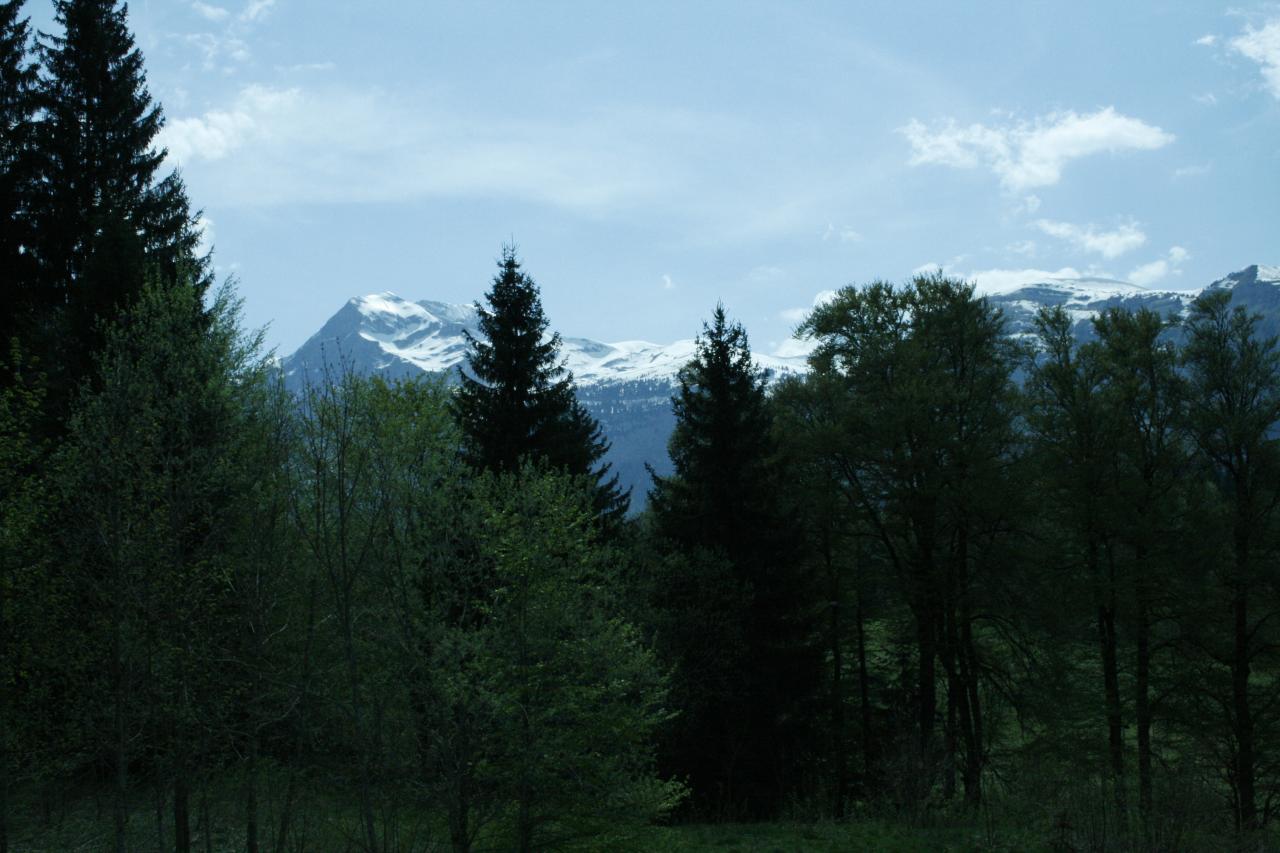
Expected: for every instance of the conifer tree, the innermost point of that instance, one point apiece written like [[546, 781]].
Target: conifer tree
[[103, 217], [17, 113], [518, 403], [722, 502]]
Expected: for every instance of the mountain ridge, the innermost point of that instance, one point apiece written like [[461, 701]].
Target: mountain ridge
[[627, 385]]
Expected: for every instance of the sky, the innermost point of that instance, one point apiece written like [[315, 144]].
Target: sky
[[652, 158]]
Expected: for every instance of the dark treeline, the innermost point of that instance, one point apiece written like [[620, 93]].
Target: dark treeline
[[944, 573]]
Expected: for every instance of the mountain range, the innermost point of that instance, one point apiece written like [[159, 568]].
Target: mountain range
[[628, 385]]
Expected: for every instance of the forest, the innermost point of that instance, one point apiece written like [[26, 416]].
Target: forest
[[950, 589]]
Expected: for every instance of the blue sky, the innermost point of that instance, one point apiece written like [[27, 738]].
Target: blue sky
[[652, 158]]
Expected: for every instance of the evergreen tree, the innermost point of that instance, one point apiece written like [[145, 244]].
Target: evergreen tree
[[103, 218], [518, 403], [750, 603], [17, 113]]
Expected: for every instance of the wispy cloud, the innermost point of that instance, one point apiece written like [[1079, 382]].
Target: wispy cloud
[[845, 234], [795, 315], [204, 226], [1148, 274], [219, 133], [210, 12], [307, 66], [256, 9], [218, 51], [1263, 47], [667, 283], [1032, 154], [1208, 40], [1091, 238], [300, 145], [1192, 171]]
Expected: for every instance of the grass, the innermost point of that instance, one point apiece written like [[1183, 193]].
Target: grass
[[325, 820]]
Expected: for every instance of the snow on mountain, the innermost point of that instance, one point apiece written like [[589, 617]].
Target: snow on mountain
[[386, 333]]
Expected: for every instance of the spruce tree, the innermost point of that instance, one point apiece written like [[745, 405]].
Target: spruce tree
[[104, 219], [744, 589], [518, 403], [17, 175]]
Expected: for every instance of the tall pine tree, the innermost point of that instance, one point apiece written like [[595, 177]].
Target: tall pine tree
[[17, 173], [722, 508], [103, 217], [519, 404]]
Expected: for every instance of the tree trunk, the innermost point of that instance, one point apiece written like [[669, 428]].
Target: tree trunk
[[4, 810], [1111, 696], [460, 806], [251, 797], [837, 686], [1245, 794], [928, 703], [181, 812], [864, 694], [120, 806], [1142, 715]]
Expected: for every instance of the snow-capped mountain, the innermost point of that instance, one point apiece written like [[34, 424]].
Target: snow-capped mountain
[[628, 385], [383, 332]]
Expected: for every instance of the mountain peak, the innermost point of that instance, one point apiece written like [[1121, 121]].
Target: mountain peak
[[1251, 275]]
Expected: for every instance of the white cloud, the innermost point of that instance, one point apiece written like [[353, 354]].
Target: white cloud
[[1031, 154], [1148, 274], [307, 66], [1207, 99], [927, 269], [1026, 248], [256, 9], [1193, 171], [334, 143], [793, 348], [1030, 204], [1005, 280], [1208, 40], [204, 225], [1263, 47], [217, 49], [210, 12], [795, 315], [844, 234], [667, 283], [219, 133], [1109, 244]]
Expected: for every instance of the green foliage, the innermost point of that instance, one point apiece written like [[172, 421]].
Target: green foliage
[[572, 696], [151, 473], [926, 406]]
